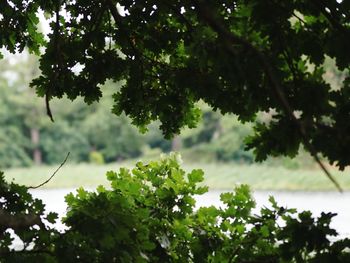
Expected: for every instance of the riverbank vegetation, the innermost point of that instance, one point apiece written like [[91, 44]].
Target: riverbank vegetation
[[217, 175]]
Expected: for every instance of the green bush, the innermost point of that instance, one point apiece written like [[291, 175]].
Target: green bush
[[149, 215], [96, 157]]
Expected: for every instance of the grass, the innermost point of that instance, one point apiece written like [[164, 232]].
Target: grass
[[217, 176]]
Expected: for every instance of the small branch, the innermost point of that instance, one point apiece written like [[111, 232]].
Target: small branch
[[48, 180], [48, 110]]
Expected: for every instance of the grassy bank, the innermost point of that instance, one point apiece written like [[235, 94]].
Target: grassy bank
[[217, 176]]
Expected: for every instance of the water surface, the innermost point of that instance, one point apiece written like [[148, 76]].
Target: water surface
[[316, 202]]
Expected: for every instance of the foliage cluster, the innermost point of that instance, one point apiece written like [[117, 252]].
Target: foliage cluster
[[149, 215]]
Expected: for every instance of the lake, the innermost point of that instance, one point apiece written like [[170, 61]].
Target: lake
[[316, 202]]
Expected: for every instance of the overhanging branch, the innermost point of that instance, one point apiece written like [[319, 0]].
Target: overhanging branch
[[206, 15]]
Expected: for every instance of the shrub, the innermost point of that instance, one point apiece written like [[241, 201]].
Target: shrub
[[96, 157]]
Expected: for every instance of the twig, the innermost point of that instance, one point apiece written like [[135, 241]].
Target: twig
[[48, 110], [48, 180]]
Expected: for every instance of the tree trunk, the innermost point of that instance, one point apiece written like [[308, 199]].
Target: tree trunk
[[35, 138], [218, 130], [176, 143]]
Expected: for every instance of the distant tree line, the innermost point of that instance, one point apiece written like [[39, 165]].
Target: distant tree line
[[91, 133]]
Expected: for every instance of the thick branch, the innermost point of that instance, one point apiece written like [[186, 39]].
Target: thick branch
[[205, 14], [18, 221]]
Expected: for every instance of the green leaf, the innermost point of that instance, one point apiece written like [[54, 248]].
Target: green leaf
[[70, 199], [265, 231], [51, 217], [111, 175], [196, 176]]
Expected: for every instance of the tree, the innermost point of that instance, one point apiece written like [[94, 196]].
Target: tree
[[240, 57]]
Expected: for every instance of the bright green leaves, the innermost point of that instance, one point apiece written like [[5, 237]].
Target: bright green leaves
[[149, 212], [145, 203], [196, 176], [148, 216]]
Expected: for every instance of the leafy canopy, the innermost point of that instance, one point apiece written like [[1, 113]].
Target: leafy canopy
[[240, 57]]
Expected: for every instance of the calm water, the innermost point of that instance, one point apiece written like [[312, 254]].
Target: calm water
[[313, 201]]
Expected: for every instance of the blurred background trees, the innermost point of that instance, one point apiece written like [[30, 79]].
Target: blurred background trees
[[92, 134], [89, 132]]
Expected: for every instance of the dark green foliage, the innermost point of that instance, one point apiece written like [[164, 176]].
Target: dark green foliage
[[149, 215], [24, 215], [240, 57]]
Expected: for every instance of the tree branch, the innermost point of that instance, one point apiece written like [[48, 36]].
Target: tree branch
[[17, 222], [48, 109], [117, 19], [58, 58], [322, 7], [205, 14]]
